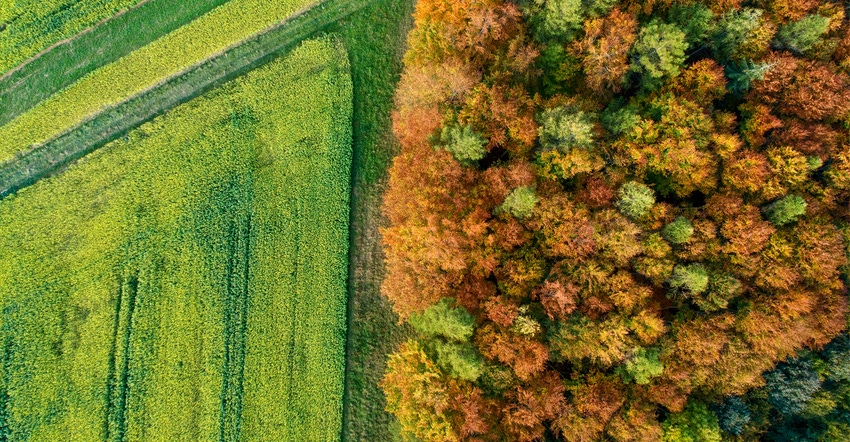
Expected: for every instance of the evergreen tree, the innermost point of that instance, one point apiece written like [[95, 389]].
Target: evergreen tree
[[732, 415], [742, 74], [791, 385], [837, 357], [785, 210], [799, 36]]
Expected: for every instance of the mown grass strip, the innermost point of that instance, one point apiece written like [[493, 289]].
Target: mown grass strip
[[27, 27], [57, 68], [376, 40], [116, 121], [211, 34]]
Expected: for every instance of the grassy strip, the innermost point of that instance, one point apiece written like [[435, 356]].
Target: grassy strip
[[27, 27], [113, 122], [375, 38], [210, 34], [167, 207], [64, 64], [295, 360]]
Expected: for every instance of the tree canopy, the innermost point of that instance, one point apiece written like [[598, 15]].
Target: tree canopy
[[642, 208]]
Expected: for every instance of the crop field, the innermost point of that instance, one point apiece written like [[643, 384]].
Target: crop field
[[27, 27], [59, 66], [188, 281], [142, 69]]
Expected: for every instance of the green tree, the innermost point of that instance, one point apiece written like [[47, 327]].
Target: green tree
[[642, 366], [459, 360], [740, 34], [742, 74], [464, 143], [558, 69], [837, 357], [791, 385], [635, 199], [785, 210], [696, 423], [689, 278], [444, 320], [620, 120], [799, 36], [563, 129], [520, 203], [679, 231], [658, 53], [722, 287], [696, 20], [732, 415], [598, 8], [559, 20]]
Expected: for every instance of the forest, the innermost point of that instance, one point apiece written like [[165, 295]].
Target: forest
[[622, 220]]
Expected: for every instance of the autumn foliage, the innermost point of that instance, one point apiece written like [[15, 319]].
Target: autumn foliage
[[637, 234]]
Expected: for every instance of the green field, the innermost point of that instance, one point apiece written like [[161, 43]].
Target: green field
[[29, 26], [113, 122], [223, 27], [64, 64], [187, 282]]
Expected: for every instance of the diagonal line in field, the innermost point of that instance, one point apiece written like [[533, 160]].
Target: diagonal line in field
[[70, 60], [116, 121], [70, 39]]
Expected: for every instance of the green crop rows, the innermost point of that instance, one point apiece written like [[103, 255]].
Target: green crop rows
[[27, 27], [28, 84], [188, 281], [199, 40]]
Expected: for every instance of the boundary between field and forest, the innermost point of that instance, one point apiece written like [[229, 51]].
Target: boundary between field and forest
[[38, 77], [117, 120], [376, 36]]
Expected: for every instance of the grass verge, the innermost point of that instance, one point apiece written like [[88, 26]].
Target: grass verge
[[376, 40]]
